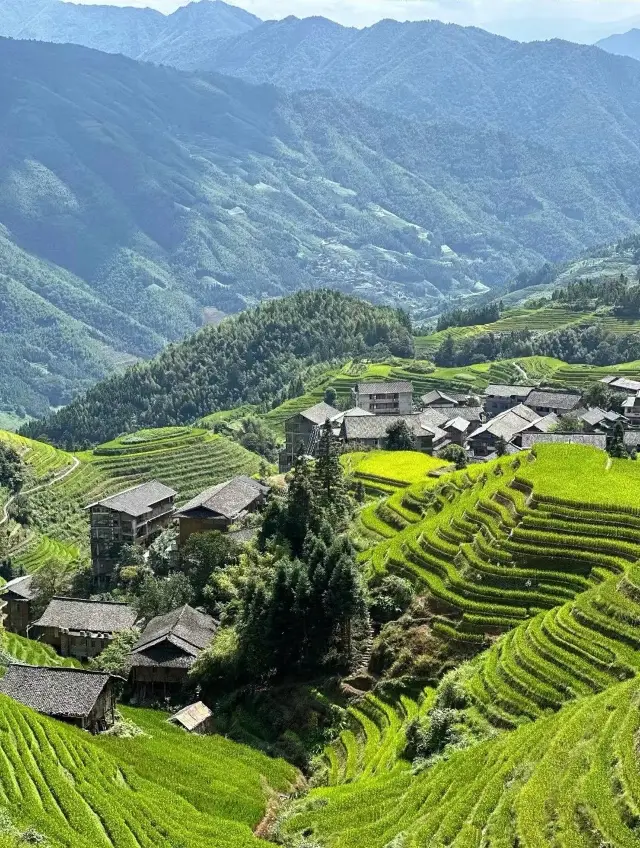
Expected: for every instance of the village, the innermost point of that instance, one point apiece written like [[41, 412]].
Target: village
[[506, 419]]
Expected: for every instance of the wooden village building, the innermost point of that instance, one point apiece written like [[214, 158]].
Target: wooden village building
[[86, 699], [17, 597], [132, 517], [301, 432], [221, 506], [196, 718], [79, 628], [169, 645], [385, 397]]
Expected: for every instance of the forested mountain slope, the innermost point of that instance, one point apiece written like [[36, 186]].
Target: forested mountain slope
[[251, 358], [135, 32], [573, 97], [140, 201]]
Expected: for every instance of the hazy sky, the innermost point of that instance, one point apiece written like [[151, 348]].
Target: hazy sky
[[535, 18]]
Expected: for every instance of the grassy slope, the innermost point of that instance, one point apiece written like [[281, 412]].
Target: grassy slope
[[163, 789], [188, 459]]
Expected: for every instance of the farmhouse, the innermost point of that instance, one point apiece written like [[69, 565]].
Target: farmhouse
[[622, 384], [17, 596], [372, 431], [134, 516], [221, 506], [631, 408], [301, 432], [385, 398], [544, 401], [505, 426], [499, 398], [598, 420], [442, 399], [84, 698], [161, 658], [82, 629], [196, 718]]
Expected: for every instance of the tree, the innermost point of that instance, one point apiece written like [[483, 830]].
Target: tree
[[617, 448], [399, 436], [301, 512], [159, 595], [455, 454], [12, 468], [599, 395], [345, 601], [501, 446], [329, 476], [115, 656], [568, 423], [50, 580], [330, 396], [205, 553], [446, 354]]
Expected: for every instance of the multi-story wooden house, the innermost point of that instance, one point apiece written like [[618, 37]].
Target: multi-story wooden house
[[221, 506], [385, 398], [17, 597], [134, 517]]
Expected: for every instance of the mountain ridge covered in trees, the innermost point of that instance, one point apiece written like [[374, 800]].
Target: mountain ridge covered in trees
[[251, 358]]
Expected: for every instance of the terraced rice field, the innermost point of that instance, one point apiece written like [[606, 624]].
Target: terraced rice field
[[27, 651], [164, 789], [384, 472], [571, 779]]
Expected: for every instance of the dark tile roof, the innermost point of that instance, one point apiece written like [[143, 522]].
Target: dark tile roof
[[596, 440], [460, 424], [78, 615], [508, 424], [228, 499], [385, 387], [454, 398], [20, 587], [377, 426], [319, 413], [553, 400], [185, 628], [594, 416], [54, 691], [622, 383], [137, 500], [546, 424], [497, 390]]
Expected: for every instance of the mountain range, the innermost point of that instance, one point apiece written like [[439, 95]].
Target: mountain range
[[404, 163]]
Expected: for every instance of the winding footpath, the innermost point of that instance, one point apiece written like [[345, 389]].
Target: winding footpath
[[63, 475]]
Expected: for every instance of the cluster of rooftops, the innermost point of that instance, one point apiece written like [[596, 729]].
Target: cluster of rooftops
[[521, 415]]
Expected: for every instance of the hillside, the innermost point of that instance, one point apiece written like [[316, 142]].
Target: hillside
[[574, 98], [141, 33], [133, 226], [622, 44], [62, 785]]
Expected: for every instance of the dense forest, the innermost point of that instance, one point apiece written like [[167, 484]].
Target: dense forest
[[250, 358]]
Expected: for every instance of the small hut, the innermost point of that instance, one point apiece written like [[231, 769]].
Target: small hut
[[196, 718]]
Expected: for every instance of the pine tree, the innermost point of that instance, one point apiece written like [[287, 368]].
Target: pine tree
[[301, 507], [329, 476]]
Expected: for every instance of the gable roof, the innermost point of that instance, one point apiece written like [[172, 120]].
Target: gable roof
[[137, 500], [622, 383], [509, 423], [385, 387], [632, 401], [501, 390], [79, 615], [318, 414], [459, 423], [228, 499], [377, 426], [596, 440], [54, 691], [355, 412], [20, 587], [192, 716], [553, 400], [185, 628], [453, 398], [544, 425]]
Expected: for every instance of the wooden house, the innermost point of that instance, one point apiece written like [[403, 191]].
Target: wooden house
[[372, 431], [507, 425], [132, 517], [78, 628], [17, 597], [386, 397], [546, 401], [301, 432], [169, 645], [500, 398], [86, 699], [221, 506]]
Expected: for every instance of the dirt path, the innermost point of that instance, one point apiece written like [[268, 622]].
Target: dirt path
[[67, 471]]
